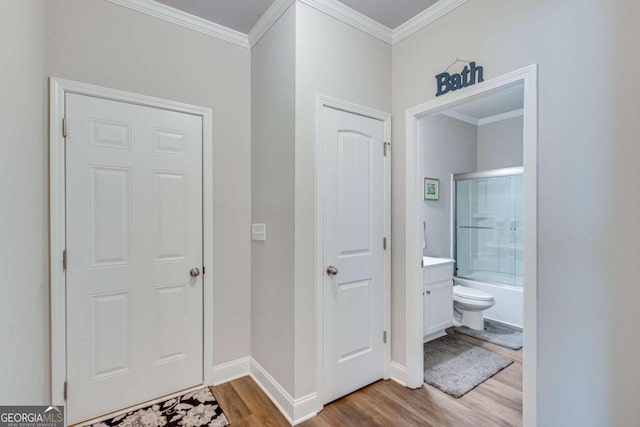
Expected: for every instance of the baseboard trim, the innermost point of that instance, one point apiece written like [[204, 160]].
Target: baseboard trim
[[434, 336], [306, 407], [272, 389], [230, 371], [294, 411], [398, 373]]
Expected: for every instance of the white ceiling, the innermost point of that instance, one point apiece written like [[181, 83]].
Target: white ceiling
[[391, 13], [241, 15], [501, 102]]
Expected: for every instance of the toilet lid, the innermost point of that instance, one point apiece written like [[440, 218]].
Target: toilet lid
[[470, 293]]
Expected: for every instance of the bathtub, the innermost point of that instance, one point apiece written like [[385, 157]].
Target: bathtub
[[509, 300]]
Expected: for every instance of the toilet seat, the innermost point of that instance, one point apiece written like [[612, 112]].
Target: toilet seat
[[471, 293]]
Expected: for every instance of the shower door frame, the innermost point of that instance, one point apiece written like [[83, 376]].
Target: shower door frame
[[412, 374], [467, 176]]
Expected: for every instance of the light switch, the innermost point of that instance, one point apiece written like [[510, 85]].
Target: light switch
[[259, 232]]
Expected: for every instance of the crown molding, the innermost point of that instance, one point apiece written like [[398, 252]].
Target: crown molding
[[332, 8], [485, 120], [352, 17], [184, 19], [425, 18], [268, 18]]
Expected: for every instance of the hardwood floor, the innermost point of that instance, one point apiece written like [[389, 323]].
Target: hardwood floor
[[496, 402]]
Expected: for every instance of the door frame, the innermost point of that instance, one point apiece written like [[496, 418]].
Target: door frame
[[57, 218], [413, 243], [323, 102]]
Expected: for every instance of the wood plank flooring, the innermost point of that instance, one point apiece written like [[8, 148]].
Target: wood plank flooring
[[496, 402]]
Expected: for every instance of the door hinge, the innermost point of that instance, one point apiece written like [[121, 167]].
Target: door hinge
[[384, 243], [64, 127], [386, 146], [64, 259], [384, 337], [64, 391]]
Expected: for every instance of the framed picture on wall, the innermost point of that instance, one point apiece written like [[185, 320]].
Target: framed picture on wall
[[431, 189]]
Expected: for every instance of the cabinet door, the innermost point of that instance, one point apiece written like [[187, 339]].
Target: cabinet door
[[438, 307]]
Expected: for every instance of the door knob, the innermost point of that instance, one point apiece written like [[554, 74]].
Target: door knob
[[332, 271], [195, 271]]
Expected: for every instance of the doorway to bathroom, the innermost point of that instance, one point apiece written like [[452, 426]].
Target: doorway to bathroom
[[487, 198]]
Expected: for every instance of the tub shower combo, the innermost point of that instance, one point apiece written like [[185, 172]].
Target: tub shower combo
[[487, 242]]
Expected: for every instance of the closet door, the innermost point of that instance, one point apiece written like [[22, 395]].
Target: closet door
[[353, 217], [134, 251]]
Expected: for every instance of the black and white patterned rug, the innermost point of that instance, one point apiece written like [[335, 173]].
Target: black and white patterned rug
[[193, 409]]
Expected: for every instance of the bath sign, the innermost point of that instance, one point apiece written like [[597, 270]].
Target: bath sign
[[470, 75]]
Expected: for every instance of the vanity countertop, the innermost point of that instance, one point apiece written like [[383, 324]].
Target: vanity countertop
[[428, 261]]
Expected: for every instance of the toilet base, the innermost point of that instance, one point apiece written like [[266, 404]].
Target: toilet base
[[473, 320]]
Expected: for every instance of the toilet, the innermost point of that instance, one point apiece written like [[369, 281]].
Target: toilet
[[471, 302]]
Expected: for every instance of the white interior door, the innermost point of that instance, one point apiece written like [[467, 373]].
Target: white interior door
[[134, 232], [354, 215]]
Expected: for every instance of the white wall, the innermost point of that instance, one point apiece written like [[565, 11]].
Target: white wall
[[272, 197], [334, 59], [448, 146], [589, 203], [500, 144], [24, 265]]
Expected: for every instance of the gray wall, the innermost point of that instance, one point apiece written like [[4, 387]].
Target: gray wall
[[305, 53], [146, 55], [24, 265], [588, 371], [334, 59], [588, 358], [94, 41], [500, 144], [448, 146], [272, 198]]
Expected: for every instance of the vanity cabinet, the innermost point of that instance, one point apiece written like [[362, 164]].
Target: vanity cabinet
[[437, 296]]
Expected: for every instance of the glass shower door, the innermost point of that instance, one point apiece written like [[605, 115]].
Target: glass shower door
[[489, 227]]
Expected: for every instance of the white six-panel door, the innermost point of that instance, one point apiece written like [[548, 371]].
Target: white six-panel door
[[353, 218], [134, 232]]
